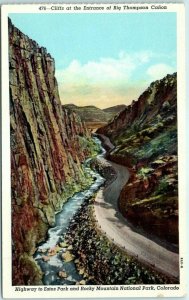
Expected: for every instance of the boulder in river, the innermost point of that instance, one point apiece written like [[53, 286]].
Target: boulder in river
[[63, 245], [45, 258], [62, 274], [82, 282], [54, 250], [70, 247], [67, 256], [81, 271]]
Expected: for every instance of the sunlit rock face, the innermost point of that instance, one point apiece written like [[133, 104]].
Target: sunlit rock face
[[145, 139], [48, 145]]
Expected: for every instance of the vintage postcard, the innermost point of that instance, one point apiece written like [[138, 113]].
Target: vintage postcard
[[93, 106]]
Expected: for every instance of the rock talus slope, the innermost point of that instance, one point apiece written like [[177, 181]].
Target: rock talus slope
[[48, 145]]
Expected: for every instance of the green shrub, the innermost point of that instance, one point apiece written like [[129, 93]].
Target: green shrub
[[163, 186]]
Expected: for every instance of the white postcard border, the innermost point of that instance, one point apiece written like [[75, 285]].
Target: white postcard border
[[39, 291]]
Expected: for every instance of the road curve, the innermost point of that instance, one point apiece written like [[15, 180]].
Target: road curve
[[117, 228]]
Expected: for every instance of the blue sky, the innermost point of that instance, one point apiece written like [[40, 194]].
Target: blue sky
[[104, 59]]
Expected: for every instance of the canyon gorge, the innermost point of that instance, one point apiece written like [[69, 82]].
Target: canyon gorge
[[53, 149]]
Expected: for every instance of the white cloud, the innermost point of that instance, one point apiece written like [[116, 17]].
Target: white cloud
[[104, 70], [158, 71], [109, 81]]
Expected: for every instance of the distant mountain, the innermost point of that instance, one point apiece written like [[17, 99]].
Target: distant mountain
[[89, 113], [145, 139], [114, 109], [93, 116]]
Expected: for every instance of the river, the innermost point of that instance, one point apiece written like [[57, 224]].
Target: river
[[55, 264]]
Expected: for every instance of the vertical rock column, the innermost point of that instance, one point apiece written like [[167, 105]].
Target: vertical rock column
[[45, 150]]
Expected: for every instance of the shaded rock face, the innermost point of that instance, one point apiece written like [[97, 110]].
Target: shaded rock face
[[145, 139], [47, 149]]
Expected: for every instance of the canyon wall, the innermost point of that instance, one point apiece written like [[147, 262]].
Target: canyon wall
[[48, 146], [145, 139]]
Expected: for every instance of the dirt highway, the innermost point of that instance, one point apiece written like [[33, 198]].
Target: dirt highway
[[118, 229]]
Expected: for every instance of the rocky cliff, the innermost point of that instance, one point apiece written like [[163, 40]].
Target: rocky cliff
[[48, 146], [145, 139]]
